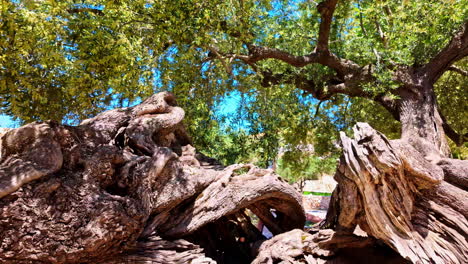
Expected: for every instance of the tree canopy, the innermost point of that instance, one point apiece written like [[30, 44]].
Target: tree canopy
[[302, 70]]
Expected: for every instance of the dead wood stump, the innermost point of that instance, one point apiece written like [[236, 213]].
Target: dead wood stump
[[396, 195]]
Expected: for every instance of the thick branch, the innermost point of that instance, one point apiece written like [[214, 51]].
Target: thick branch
[[455, 50], [326, 10], [451, 133], [388, 103], [454, 136], [333, 86], [458, 70], [259, 53], [321, 55], [319, 91]]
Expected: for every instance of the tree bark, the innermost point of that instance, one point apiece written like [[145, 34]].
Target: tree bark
[[126, 186], [388, 196], [394, 194], [325, 246], [421, 122]]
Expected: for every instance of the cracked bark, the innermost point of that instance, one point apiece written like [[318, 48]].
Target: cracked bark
[[396, 195]]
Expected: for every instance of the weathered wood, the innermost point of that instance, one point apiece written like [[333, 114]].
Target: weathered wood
[[324, 246], [124, 186], [155, 250], [396, 195], [455, 171], [231, 193]]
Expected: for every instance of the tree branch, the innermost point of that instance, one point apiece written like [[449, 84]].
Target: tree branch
[[351, 90], [455, 50], [326, 10], [390, 104], [226, 66], [317, 109], [458, 70], [85, 9], [258, 53], [332, 86], [451, 133], [348, 80], [382, 36], [320, 55]]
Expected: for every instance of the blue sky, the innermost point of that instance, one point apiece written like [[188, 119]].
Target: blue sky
[[228, 107], [6, 121]]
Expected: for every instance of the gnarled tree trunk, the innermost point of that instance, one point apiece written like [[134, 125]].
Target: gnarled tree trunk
[[400, 198], [126, 187], [421, 122]]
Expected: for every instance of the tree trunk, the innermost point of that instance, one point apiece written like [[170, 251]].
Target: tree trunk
[[421, 123], [394, 194]]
